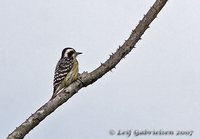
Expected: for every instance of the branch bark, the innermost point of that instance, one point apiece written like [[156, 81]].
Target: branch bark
[[89, 78]]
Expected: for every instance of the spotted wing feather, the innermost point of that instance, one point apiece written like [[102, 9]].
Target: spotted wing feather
[[62, 69]]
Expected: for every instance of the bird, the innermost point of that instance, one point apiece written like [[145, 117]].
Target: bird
[[66, 70]]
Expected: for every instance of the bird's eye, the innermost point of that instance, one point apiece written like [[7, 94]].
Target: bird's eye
[[70, 53]]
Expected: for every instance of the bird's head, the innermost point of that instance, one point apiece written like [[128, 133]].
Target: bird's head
[[69, 52]]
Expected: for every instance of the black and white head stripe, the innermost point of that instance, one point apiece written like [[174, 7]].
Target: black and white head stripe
[[68, 52], [62, 69]]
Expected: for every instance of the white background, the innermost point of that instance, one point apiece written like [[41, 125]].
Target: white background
[[155, 87]]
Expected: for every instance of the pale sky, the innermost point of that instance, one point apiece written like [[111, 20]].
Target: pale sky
[[156, 87]]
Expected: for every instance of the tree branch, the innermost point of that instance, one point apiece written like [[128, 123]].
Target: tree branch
[[89, 78]]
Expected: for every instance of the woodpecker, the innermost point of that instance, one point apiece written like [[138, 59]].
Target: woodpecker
[[66, 70]]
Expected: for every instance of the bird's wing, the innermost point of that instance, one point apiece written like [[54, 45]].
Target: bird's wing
[[63, 67]]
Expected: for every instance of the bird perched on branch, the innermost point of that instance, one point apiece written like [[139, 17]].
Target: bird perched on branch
[[66, 70]]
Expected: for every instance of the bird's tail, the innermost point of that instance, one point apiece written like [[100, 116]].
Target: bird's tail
[[56, 92]]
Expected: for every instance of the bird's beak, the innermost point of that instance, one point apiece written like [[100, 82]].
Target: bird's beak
[[78, 53]]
